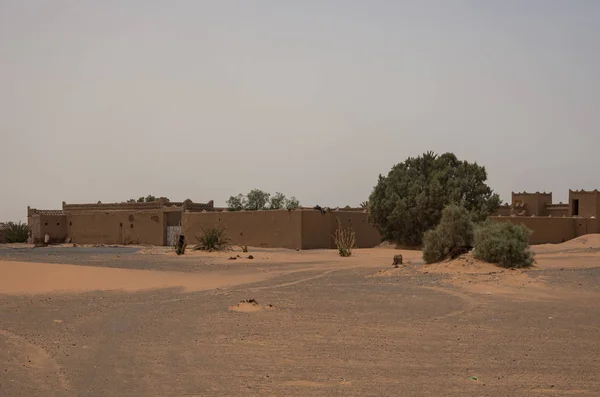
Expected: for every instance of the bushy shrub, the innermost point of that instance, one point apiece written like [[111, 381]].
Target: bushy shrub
[[451, 238], [345, 240], [16, 232], [213, 239], [503, 243]]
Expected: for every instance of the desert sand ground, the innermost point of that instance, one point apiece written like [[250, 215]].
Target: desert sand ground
[[105, 321]]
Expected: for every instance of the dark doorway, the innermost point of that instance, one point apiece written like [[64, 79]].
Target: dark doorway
[[575, 207]]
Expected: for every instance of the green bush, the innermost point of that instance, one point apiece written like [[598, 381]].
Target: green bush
[[16, 232], [503, 243], [213, 239], [451, 238]]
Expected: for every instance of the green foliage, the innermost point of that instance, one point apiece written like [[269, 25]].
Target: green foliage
[[148, 199], [236, 203], [261, 200], [345, 239], [451, 238], [410, 199], [16, 232], [503, 243], [257, 200], [213, 239], [277, 201], [292, 203]]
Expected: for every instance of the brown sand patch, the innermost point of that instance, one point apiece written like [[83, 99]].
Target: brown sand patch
[[464, 264], [391, 272], [480, 277], [250, 306], [305, 383], [367, 257], [39, 278], [588, 241]]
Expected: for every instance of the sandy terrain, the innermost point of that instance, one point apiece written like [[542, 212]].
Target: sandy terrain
[[141, 321]]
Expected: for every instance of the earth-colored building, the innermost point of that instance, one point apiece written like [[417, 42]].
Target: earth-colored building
[[159, 223], [553, 223]]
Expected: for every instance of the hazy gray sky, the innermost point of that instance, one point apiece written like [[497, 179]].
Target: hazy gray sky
[[108, 100]]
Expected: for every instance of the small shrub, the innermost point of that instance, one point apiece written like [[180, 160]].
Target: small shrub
[[244, 248], [504, 244], [213, 239], [16, 232], [345, 240], [451, 238]]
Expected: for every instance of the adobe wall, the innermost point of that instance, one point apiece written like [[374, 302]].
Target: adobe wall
[[367, 236], [253, 228], [316, 230], [116, 227], [589, 203], [33, 221], [557, 210], [53, 225], [534, 203], [305, 229], [503, 210], [545, 229]]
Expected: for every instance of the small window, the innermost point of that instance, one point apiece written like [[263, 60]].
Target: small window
[[70, 223], [45, 223], [57, 223], [121, 224], [131, 226]]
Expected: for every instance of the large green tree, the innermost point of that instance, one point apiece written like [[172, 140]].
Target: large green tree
[[410, 199]]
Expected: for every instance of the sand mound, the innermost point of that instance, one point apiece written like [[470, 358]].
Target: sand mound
[[587, 241], [466, 263], [250, 306]]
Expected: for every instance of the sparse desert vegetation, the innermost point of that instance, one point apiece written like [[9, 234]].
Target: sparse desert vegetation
[[15, 232], [213, 239], [345, 239]]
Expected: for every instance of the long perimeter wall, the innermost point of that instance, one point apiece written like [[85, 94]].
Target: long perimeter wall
[[303, 229], [553, 230]]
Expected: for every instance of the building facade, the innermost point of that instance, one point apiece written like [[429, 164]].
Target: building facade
[[553, 223], [159, 223]]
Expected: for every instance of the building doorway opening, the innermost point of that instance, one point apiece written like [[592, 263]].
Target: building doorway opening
[[576, 207]]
